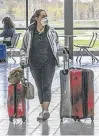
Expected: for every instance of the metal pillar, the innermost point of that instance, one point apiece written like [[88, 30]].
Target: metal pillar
[[68, 24], [26, 13]]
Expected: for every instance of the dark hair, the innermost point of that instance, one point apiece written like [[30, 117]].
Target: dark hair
[[8, 22], [32, 19], [36, 14]]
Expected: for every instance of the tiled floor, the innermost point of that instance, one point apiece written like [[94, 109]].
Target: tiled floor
[[53, 126]]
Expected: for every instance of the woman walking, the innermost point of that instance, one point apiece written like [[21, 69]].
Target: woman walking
[[39, 48]]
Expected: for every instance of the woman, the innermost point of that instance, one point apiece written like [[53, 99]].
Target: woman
[[8, 30], [40, 47]]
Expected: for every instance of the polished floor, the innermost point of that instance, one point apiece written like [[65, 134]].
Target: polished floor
[[53, 126]]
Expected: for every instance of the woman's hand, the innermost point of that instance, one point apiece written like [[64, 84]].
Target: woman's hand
[[23, 62]]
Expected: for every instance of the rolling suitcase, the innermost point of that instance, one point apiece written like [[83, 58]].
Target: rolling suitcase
[[65, 100], [82, 93], [16, 102], [2, 52], [77, 93]]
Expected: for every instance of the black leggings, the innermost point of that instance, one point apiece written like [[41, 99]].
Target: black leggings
[[43, 77]]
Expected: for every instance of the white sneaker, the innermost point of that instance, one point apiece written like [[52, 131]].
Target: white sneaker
[[46, 115], [40, 117]]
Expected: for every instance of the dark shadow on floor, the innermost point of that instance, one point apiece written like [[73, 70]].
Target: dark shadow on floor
[[45, 128], [77, 128], [16, 129]]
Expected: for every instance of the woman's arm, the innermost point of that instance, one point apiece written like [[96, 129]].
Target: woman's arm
[[3, 33], [60, 47], [23, 50], [7, 32], [57, 42], [24, 43]]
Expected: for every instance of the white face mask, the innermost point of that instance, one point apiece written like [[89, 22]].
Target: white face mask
[[44, 21]]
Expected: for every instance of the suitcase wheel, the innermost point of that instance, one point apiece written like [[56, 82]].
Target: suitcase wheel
[[11, 119], [75, 119], [23, 119], [92, 119], [61, 119], [3, 60], [78, 120]]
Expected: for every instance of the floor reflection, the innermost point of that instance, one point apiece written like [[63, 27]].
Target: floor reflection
[[45, 128], [53, 126], [77, 128], [17, 129]]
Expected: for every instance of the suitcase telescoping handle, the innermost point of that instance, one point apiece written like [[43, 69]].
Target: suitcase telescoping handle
[[66, 58], [15, 100]]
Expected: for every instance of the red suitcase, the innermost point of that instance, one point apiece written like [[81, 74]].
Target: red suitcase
[[82, 93], [90, 101], [77, 92], [16, 102]]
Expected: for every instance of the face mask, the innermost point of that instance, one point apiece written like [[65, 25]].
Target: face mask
[[44, 21]]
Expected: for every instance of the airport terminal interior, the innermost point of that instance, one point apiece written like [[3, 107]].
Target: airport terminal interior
[[79, 18]]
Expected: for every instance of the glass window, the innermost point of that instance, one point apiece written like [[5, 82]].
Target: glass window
[[16, 9], [54, 8], [86, 13]]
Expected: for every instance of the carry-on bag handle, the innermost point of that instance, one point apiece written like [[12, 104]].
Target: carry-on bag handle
[[66, 58], [15, 103], [66, 51]]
